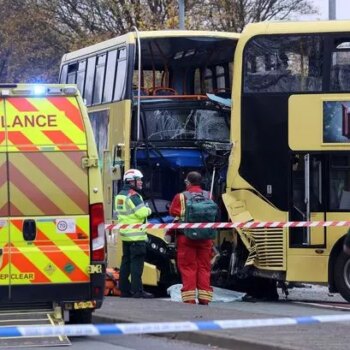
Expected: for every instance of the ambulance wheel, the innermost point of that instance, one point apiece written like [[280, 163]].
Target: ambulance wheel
[[342, 275], [80, 316]]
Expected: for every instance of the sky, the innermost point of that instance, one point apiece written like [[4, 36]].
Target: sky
[[342, 9]]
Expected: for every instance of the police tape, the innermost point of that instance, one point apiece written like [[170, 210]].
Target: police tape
[[162, 327], [222, 225]]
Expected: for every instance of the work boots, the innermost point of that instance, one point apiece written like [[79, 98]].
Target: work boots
[[142, 295]]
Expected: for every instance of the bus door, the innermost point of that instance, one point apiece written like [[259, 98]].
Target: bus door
[[307, 199], [307, 245], [339, 193], [100, 122]]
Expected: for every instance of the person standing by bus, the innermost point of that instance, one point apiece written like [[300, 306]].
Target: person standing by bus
[[193, 256], [131, 209]]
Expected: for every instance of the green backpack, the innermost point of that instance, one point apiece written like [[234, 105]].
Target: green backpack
[[199, 208]]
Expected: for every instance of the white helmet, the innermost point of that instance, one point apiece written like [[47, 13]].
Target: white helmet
[[132, 175]]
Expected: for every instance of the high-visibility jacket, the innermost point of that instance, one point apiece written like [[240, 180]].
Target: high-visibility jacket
[[131, 209]]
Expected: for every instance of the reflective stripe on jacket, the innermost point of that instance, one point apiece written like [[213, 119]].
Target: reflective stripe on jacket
[[131, 209]]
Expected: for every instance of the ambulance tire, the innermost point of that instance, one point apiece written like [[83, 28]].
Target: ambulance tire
[[80, 317], [342, 275]]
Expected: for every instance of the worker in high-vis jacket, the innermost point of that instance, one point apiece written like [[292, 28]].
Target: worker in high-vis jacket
[[131, 209]]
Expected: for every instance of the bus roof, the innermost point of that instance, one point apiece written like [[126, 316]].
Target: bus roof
[[131, 36], [296, 27]]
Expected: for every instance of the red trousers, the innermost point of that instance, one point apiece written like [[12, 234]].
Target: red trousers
[[193, 260]]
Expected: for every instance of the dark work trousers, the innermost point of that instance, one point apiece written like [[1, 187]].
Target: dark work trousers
[[132, 264]]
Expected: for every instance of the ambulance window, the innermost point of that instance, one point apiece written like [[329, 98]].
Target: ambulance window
[[109, 80], [89, 83], [81, 75], [99, 76], [63, 76]]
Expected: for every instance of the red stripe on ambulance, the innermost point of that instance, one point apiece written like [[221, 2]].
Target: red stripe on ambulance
[[22, 104], [72, 112], [18, 139], [61, 140]]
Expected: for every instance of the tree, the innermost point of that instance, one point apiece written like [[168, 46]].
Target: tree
[[234, 15], [30, 49], [35, 34], [95, 18]]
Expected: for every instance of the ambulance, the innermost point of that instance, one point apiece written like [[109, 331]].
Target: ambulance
[[52, 241]]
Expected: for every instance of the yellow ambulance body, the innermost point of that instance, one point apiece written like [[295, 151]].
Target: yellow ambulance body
[[52, 243]]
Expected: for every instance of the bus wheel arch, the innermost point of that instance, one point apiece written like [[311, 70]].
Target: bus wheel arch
[[336, 251], [339, 270]]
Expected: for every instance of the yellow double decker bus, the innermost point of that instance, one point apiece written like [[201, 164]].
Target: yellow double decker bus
[[290, 160], [158, 101]]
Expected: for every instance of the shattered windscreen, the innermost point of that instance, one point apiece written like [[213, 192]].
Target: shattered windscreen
[[186, 124]]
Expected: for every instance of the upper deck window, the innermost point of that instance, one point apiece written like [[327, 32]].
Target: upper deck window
[[99, 78], [110, 76], [186, 123], [276, 63], [81, 75], [340, 66], [72, 73]]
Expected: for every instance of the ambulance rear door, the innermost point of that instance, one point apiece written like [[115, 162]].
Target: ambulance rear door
[[4, 212], [48, 199]]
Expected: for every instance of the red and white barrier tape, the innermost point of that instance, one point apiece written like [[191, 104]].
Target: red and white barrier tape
[[250, 224]]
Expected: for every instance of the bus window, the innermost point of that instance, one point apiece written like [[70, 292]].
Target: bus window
[[63, 75], [99, 76], [191, 123], [197, 82], [150, 80], [89, 83], [283, 64], [81, 75], [109, 80], [208, 80], [119, 90], [72, 73], [220, 77], [122, 53], [340, 69]]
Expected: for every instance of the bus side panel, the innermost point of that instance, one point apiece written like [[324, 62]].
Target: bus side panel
[[117, 148]]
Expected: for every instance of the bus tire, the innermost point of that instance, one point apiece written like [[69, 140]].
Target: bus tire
[[342, 275], [80, 316]]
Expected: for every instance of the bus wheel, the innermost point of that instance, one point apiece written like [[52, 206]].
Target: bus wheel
[[342, 275], [80, 316]]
